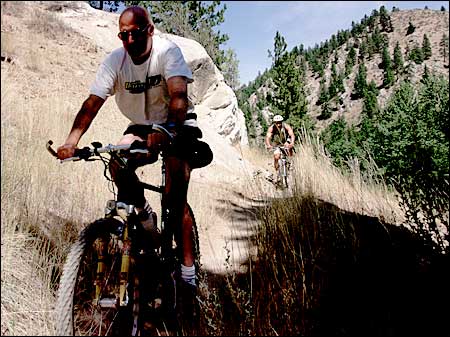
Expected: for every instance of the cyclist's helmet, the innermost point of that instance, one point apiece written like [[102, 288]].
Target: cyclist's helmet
[[277, 118]]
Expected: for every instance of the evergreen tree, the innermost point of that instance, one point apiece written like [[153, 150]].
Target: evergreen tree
[[443, 9], [411, 28], [280, 46], [385, 58], [385, 20], [289, 97], [444, 47], [340, 82], [323, 92], [416, 55], [377, 40], [326, 111], [426, 47], [388, 76], [370, 47], [371, 22], [191, 19], [350, 61], [362, 50], [398, 58], [410, 142], [332, 88], [360, 86], [426, 74], [370, 102], [230, 69]]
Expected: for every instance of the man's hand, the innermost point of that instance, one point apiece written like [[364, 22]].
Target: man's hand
[[157, 141], [66, 151], [289, 145]]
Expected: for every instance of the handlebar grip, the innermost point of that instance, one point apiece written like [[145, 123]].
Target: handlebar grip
[[83, 153], [50, 149]]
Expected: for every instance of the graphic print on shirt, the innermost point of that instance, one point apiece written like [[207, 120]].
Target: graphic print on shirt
[[138, 87]]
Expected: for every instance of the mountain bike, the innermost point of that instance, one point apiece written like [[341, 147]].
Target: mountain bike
[[114, 282], [284, 166]]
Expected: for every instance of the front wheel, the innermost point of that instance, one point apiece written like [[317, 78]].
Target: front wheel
[[77, 311], [282, 173]]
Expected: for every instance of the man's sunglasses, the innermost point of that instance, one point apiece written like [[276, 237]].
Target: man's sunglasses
[[135, 33]]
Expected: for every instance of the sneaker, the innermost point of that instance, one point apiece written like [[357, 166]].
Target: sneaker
[[187, 301]]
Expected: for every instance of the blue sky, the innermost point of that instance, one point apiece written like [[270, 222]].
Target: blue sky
[[252, 25]]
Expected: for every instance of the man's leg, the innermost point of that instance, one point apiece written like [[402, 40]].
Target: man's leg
[[177, 182], [126, 180], [276, 157], [130, 191]]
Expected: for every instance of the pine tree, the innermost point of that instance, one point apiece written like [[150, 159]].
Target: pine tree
[[416, 55], [280, 46], [360, 86], [333, 90], [340, 82], [388, 76], [323, 92], [289, 97], [370, 103], [377, 39], [362, 50], [385, 58], [350, 61], [370, 47], [326, 111], [425, 75], [190, 19], [444, 47], [411, 28], [385, 20], [426, 47], [230, 69], [398, 59]]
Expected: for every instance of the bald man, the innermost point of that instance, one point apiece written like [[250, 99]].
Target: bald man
[[148, 77]]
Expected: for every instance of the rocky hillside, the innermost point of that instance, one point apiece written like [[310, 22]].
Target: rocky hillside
[[433, 23]]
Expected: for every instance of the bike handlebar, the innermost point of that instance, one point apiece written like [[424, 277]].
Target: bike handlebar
[[280, 147], [97, 148]]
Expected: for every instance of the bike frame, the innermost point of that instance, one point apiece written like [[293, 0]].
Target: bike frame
[[125, 211]]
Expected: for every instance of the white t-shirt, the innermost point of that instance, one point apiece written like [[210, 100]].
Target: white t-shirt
[[141, 103]]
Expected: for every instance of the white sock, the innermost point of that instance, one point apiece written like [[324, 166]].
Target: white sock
[[188, 274]]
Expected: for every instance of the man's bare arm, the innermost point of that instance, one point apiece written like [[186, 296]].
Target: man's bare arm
[[269, 136], [82, 122], [178, 105], [291, 133]]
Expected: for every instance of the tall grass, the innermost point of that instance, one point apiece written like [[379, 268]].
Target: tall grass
[[291, 250]]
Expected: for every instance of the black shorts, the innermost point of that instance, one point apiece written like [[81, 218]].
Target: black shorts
[[139, 130], [143, 131], [186, 145]]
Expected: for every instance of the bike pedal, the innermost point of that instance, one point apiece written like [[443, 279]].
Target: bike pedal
[[155, 304], [107, 303]]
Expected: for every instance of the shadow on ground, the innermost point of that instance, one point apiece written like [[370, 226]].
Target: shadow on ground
[[358, 276]]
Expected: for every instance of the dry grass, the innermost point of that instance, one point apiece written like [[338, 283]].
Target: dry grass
[[45, 204], [316, 176]]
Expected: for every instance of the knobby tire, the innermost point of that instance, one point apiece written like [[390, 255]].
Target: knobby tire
[[75, 313]]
